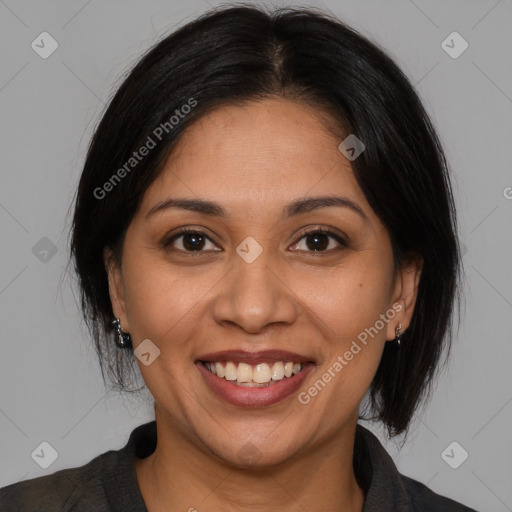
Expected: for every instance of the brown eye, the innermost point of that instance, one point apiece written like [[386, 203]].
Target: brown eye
[[192, 241], [317, 240]]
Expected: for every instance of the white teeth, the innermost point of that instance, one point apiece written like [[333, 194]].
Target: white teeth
[[219, 369], [261, 373], [258, 375], [244, 373], [230, 371], [277, 371]]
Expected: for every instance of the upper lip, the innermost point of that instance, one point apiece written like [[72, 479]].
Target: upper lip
[[253, 358]]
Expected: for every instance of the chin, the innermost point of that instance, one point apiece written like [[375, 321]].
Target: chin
[[255, 453]]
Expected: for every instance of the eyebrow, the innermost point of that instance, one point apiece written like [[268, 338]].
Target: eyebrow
[[291, 209]]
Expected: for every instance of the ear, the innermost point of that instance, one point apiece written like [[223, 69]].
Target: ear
[[405, 293], [116, 288]]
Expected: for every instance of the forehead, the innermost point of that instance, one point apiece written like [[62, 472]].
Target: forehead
[[258, 154]]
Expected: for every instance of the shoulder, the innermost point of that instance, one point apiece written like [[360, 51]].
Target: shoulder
[[107, 483], [386, 488], [424, 499], [79, 488]]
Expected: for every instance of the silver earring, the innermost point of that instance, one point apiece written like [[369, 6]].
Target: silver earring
[[398, 332], [123, 339]]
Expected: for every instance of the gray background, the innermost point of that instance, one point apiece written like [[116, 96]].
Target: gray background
[[50, 384]]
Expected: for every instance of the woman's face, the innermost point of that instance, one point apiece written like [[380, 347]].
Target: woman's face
[[251, 281]]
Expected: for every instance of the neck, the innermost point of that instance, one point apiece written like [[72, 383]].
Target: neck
[[179, 476]]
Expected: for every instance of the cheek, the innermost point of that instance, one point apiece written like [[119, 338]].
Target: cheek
[[349, 301], [162, 305], [349, 311]]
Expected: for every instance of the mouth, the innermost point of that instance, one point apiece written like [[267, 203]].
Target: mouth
[[260, 375], [253, 379]]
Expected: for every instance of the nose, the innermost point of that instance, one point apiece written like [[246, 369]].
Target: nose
[[255, 295]]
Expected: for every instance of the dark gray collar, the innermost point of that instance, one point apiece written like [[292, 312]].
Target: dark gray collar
[[378, 475]]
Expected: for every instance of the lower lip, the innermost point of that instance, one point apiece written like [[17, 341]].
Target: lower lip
[[244, 396]]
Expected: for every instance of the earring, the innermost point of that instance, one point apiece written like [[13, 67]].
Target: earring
[[398, 332], [123, 339]]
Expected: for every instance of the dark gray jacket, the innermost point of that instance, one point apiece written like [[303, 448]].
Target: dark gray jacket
[[108, 483]]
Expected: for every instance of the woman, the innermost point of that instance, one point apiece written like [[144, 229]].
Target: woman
[[265, 216]]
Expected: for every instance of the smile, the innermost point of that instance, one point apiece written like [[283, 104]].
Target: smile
[[260, 375], [254, 379]]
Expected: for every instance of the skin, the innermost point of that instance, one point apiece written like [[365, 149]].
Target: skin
[[252, 160]]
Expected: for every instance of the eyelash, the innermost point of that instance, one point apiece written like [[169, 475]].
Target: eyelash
[[168, 241]]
